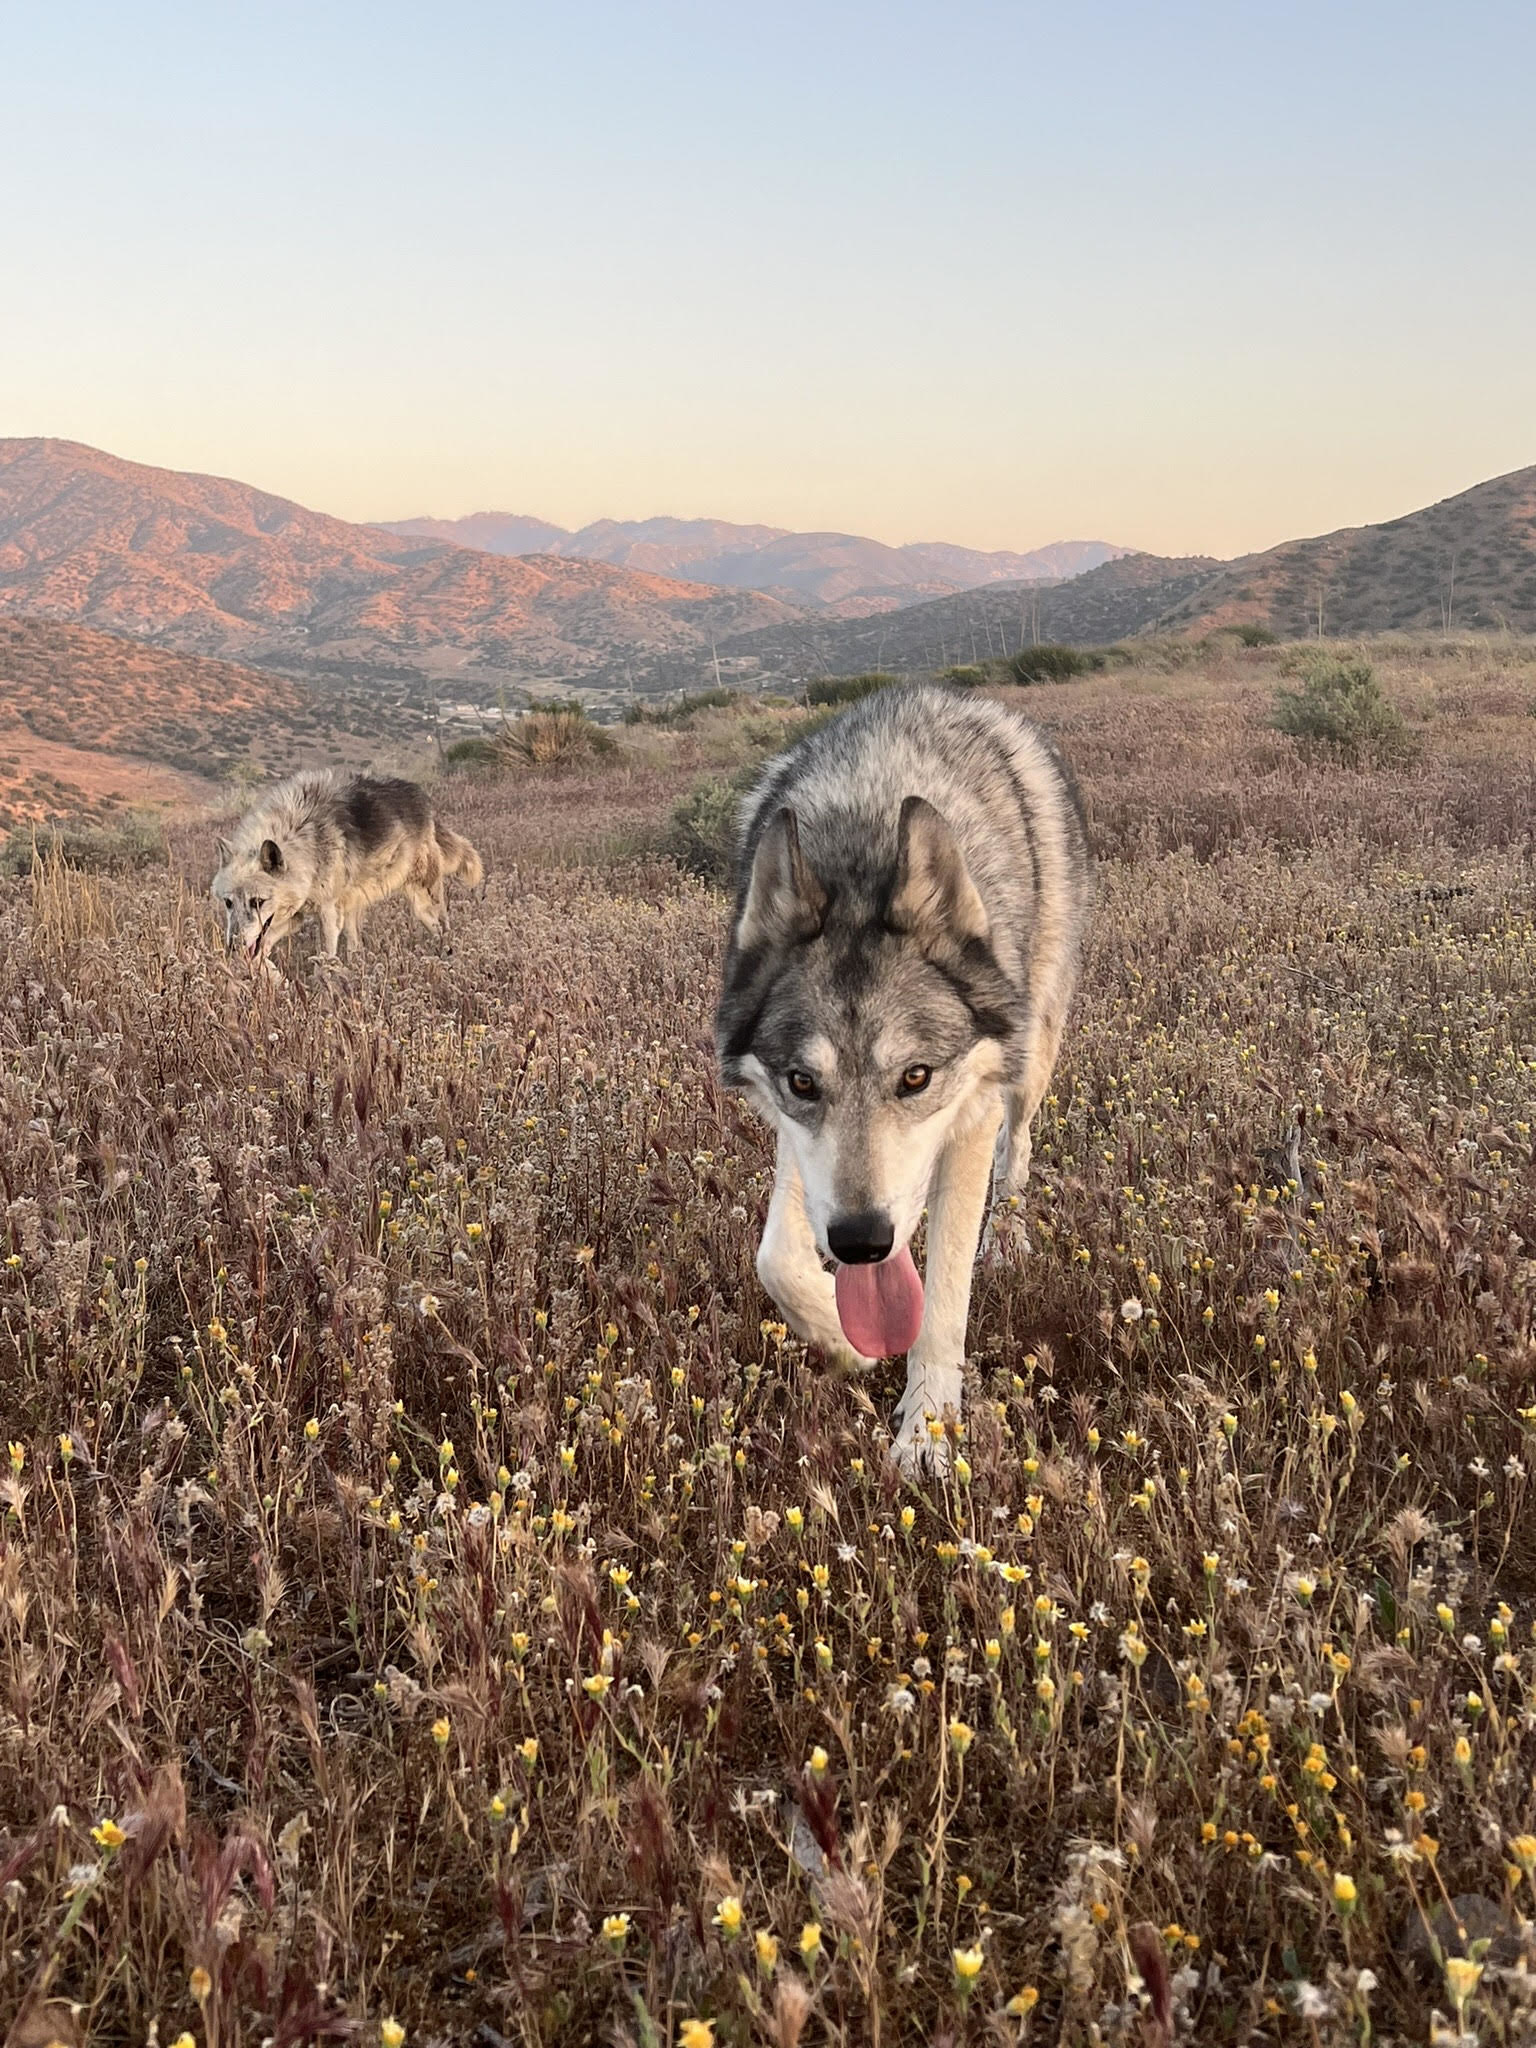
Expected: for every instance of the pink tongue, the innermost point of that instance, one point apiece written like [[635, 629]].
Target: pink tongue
[[881, 1307]]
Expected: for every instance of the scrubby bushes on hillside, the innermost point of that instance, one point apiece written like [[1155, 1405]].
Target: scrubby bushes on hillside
[[847, 689], [1049, 663], [682, 709], [476, 752]]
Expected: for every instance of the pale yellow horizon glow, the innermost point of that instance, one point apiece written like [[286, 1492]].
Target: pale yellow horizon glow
[[1198, 506]]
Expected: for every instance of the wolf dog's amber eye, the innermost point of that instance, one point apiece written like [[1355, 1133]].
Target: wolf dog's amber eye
[[915, 1080], [801, 1084]]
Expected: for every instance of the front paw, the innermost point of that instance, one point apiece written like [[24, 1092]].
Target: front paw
[[842, 1357], [934, 1395]]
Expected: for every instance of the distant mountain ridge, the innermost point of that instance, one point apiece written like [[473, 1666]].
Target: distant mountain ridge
[[1465, 564], [840, 572], [1113, 602], [214, 567]]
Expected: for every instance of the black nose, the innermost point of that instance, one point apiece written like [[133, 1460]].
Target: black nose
[[861, 1240]]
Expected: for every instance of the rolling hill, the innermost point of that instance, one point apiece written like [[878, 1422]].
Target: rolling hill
[[1119, 598], [92, 722], [842, 573], [213, 567], [1467, 563]]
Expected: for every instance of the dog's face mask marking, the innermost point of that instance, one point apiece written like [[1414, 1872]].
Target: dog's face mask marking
[[873, 1039], [255, 896]]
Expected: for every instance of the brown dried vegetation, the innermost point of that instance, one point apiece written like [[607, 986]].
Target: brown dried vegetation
[[434, 1588]]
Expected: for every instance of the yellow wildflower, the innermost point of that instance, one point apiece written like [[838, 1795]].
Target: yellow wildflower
[[1462, 1977]]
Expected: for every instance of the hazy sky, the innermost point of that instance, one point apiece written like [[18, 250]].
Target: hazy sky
[[1182, 276]]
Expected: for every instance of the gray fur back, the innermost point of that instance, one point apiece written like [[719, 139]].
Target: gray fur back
[[995, 777]]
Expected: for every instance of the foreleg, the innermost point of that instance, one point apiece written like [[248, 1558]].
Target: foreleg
[[936, 1362], [791, 1271]]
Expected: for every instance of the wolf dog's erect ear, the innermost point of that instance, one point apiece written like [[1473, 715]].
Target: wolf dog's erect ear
[[785, 902], [271, 857], [226, 853], [933, 896]]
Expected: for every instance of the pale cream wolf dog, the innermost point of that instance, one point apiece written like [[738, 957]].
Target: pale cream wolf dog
[[324, 847]]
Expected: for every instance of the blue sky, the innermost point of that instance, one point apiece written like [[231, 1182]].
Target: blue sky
[[1187, 277]]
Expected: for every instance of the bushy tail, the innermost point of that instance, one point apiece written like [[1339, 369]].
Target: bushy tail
[[459, 857]]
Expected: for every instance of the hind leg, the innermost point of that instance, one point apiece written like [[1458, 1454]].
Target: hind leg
[[1010, 1165], [1005, 1231]]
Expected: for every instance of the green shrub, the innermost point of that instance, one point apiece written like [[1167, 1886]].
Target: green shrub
[[701, 833], [475, 753], [966, 677], [1049, 663], [847, 689], [1254, 635], [1339, 705]]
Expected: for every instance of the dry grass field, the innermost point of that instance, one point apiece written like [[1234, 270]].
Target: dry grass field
[[439, 1603]]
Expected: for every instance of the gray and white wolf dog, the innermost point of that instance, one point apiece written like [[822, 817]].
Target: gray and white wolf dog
[[326, 846], [914, 881]]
